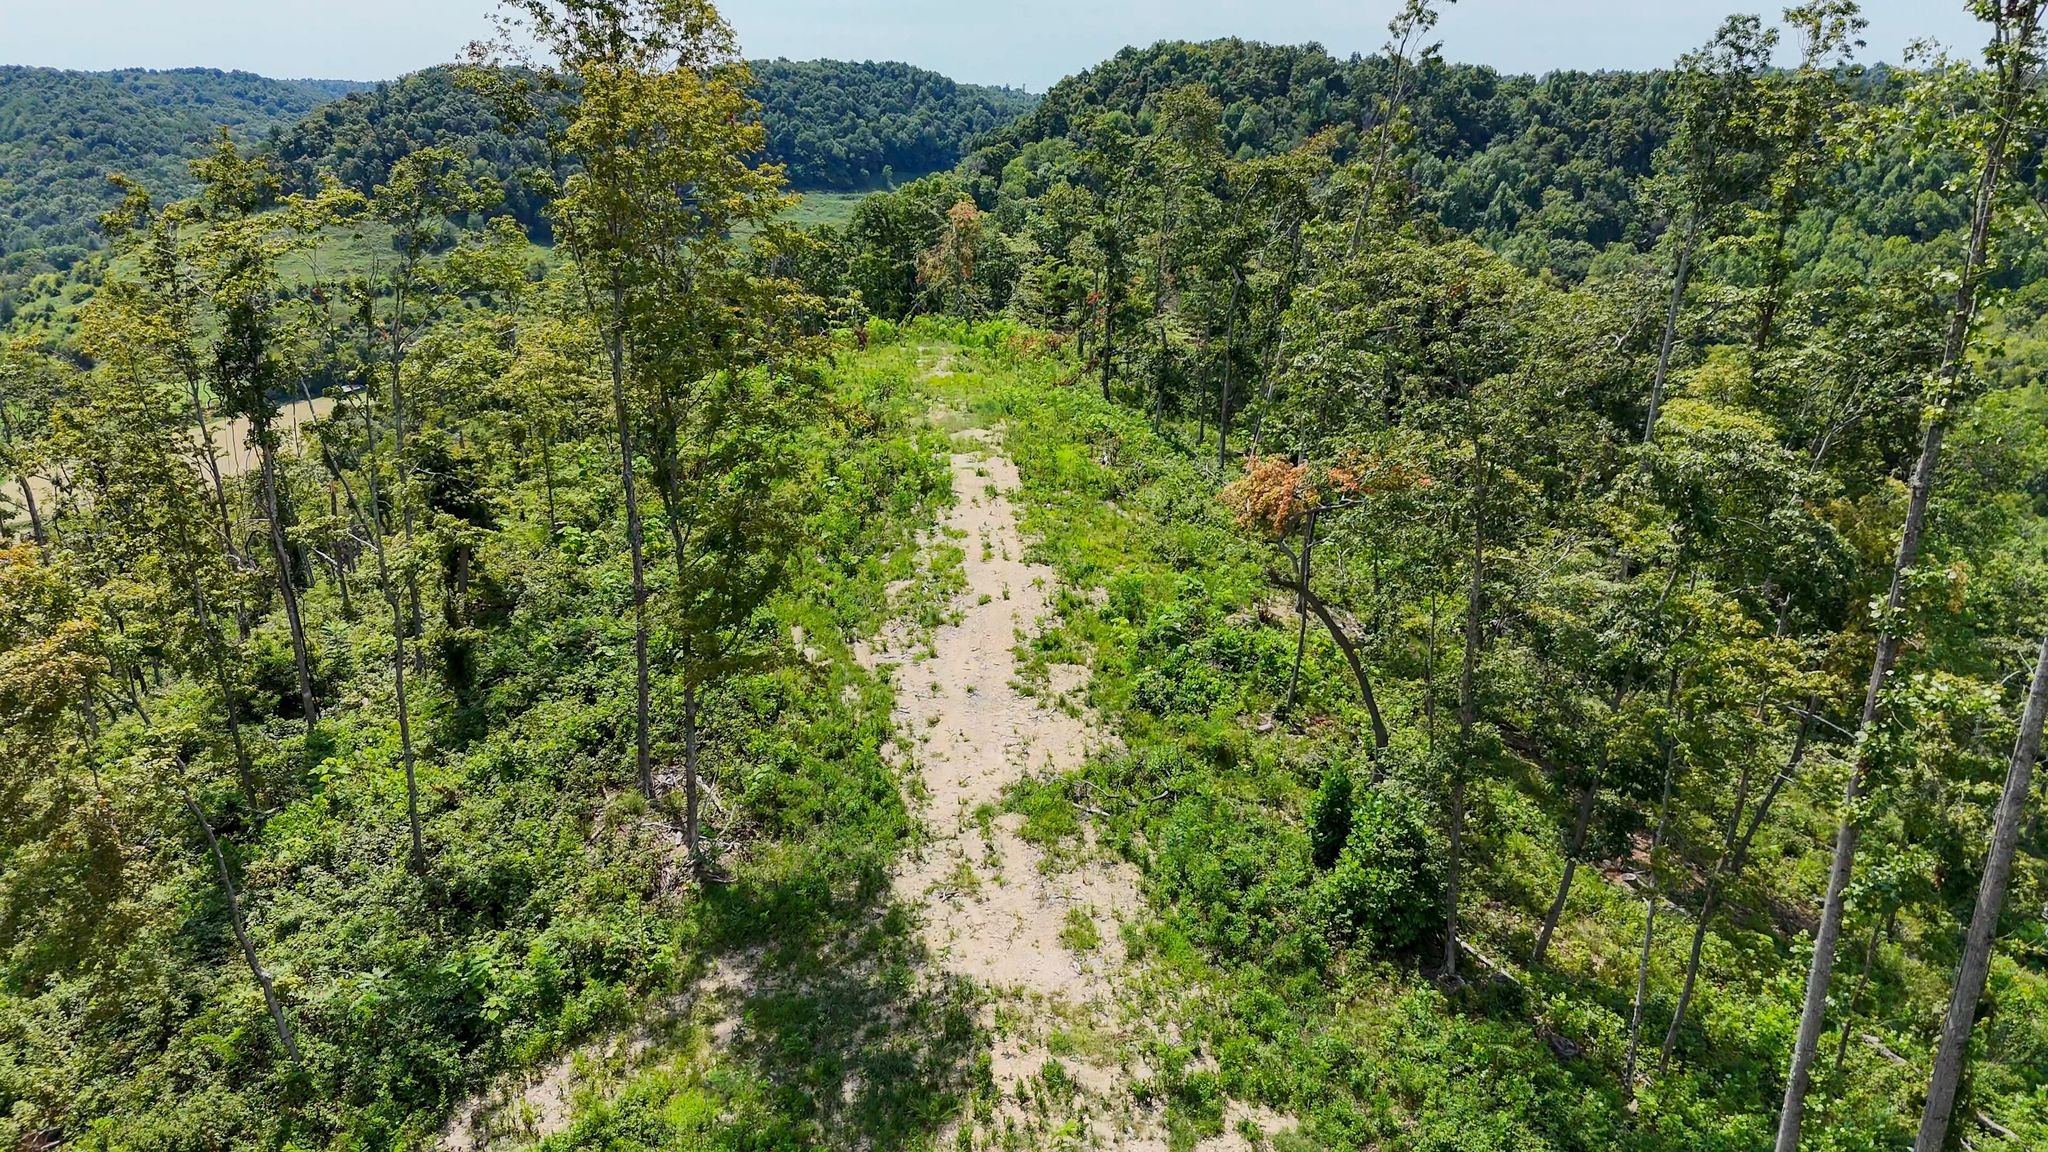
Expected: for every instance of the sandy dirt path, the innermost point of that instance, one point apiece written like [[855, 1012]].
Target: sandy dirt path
[[990, 909], [1044, 944]]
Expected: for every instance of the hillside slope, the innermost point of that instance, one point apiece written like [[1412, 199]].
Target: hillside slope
[[843, 126], [61, 133]]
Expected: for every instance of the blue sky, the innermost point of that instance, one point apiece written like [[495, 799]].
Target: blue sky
[[1027, 42]]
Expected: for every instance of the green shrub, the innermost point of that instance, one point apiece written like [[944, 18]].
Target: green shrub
[[1126, 598], [1384, 890], [1180, 687], [1329, 817]]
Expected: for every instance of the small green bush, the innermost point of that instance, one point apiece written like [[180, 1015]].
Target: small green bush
[[1126, 598], [1384, 890], [1180, 687], [1329, 817]]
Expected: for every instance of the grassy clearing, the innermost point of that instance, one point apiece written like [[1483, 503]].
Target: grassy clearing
[[815, 208]]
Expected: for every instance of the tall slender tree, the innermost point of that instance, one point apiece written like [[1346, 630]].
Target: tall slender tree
[[623, 59], [1711, 165], [2014, 58], [237, 260], [1976, 962]]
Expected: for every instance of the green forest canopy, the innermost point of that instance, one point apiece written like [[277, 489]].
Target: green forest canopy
[[62, 132], [837, 125]]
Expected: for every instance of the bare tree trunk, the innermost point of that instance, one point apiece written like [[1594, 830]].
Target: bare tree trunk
[[212, 458], [1229, 354], [1856, 994], [1108, 334], [1308, 545], [398, 661], [2016, 79], [1395, 100], [1429, 678], [1278, 339], [1969, 987], [1581, 820], [668, 479], [399, 469], [690, 822], [256, 969], [1679, 277], [35, 515], [398, 634], [1468, 712], [547, 464], [1733, 858], [1350, 649], [1651, 898], [1774, 283], [28, 494], [245, 772], [287, 585], [643, 750]]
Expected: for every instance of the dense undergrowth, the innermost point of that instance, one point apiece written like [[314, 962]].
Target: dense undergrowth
[[554, 906]]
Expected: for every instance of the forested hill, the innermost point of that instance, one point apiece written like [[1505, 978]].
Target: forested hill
[[847, 126], [1546, 169], [836, 125], [61, 133], [1283, 604], [1495, 154]]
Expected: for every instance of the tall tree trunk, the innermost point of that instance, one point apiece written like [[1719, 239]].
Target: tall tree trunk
[[2015, 80], [642, 738], [256, 969], [245, 772], [400, 471], [1468, 711], [1385, 145], [1969, 987], [547, 465], [1733, 857], [287, 585], [398, 662], [1855, 1004], [1108, 332], [211, 455], [1308, 545], [1278, 338], [1651, 898], [1582, 819], [368, 520], [1350, 649], [690, 824], [28, 494], [668, 481], [1229, 355], [1776, 267], [1679, 277], [35, 515]]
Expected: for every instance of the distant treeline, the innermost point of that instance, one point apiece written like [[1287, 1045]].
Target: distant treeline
[[836, 125]]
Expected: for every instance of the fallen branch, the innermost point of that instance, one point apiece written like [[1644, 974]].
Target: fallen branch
[[1883, 1051], [1994, 1127], [1488, 962]]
